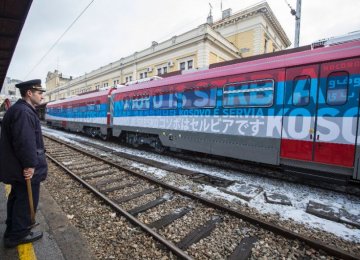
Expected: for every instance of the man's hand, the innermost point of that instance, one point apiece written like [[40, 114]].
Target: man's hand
[[28, 173]]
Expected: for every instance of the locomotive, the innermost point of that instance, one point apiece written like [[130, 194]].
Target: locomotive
[[297, 108]]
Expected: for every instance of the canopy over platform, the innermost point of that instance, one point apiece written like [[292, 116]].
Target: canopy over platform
[[12, 18]]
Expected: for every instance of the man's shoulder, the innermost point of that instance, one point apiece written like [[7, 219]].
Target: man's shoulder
[[20, 106], [18, 111]]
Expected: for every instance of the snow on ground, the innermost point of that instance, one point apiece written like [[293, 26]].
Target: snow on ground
[[299, 195]]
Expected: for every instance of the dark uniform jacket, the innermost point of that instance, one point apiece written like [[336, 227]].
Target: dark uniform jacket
[[21, 144]]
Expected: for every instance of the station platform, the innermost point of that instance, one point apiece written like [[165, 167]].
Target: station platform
[[61, 240]]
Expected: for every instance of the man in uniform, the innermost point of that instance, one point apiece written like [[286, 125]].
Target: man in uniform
[[22, 157]]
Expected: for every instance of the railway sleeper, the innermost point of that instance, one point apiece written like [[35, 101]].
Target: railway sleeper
[[118, 187], [64, 156], [149, 205], [87, 165], [199, 233], [59, 153], [168, 219], [97, 168], [103, 183], [212, 180], [243, 250], [97, 175], [135, 195]]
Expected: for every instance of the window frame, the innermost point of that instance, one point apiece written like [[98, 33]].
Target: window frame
[[347, 88], [165, 93], [198, 89], [244, 82], [138, 98]]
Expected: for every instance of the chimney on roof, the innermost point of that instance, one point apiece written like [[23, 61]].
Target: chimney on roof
[[226, 13], [210, 20]]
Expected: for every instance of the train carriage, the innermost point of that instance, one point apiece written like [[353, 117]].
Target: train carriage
[[298, 109], [88, 113]]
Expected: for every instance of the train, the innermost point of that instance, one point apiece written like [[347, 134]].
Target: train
[[292, 108]]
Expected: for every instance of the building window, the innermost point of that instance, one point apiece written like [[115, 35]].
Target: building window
[[186, 65], [182, 65], [162, 70], [116, 82], [265, 45], [143, 75], [105, 84], [190, 64]]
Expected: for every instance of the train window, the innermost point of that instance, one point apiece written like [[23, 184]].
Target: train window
[[301, 90], [82, 107], [127, 104], [141, 103], [337, 88], [249, 93], [165, 101], [199, 98], [98, 106], [91, 106]]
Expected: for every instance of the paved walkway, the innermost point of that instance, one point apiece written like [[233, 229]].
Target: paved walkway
[[61, 240]]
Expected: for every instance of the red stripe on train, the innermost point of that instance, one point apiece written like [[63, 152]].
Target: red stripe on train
[[329, 153]]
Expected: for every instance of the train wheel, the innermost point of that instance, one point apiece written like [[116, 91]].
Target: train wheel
[[133, 141], [159, 148], [93, 133]]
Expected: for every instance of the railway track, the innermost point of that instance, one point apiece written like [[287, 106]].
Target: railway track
[[182, 221], [289, 174]]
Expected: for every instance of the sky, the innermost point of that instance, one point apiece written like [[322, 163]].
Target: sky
[[111, 29]]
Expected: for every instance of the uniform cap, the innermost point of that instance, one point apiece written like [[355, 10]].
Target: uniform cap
[[31, 84]]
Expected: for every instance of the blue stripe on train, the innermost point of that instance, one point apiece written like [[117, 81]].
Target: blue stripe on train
[[79, 112]]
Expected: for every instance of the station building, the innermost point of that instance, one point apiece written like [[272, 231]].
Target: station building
[[9, 91], [252, 31]]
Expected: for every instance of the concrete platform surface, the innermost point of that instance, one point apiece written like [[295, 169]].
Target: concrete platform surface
[[61, 240]]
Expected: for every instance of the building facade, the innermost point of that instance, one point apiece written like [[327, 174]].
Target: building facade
[[55, 79], [249, 32], [9, 91]]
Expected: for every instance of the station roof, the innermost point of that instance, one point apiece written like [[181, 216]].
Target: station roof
[[12, 18]]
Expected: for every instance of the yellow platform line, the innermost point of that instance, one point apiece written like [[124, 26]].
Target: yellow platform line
[[7, 189], [25, 251]]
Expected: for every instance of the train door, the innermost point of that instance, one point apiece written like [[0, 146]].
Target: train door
[[298, 128], [337, 113]]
